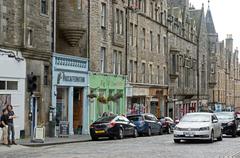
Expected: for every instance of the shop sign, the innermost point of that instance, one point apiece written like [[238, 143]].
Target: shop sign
[[63, 77], [64, 128]]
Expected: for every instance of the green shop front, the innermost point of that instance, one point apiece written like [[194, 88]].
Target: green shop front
[[106, 95]]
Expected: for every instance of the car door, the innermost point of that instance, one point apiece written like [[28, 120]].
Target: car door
[[127, 126], [121, 123], [155, 124], [149, 121], [216, 125]]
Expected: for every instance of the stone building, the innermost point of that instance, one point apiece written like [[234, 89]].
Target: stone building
[[187, 58], [25, 48], [147, 51], [223, 70]]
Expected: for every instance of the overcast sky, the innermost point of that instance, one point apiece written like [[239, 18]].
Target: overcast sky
[[226, 16]]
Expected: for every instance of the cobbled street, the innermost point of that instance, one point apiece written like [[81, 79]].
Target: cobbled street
[[141, 147]]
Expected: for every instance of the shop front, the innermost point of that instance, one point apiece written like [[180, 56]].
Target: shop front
[[146, 100], [12, 86], [69, 92], [106, 95]]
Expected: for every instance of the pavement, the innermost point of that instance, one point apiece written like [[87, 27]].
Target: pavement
[[54, 141]]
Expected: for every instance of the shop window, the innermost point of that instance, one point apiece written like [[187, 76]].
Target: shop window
[[2, 85], [8, 85], [12, 85]]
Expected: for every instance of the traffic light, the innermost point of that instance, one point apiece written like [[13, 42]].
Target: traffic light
[[32, 85]]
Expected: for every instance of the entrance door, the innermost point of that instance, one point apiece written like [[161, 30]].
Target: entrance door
[[77, 110]]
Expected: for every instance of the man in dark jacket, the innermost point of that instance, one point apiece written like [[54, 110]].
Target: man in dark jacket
[[4, 123], [11, 116]]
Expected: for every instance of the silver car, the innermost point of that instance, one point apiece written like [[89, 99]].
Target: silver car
[[198, 126]]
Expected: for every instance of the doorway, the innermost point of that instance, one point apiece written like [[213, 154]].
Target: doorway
[[77, 110]]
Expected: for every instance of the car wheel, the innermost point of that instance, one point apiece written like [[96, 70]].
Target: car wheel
[[94, 138], [149, 132], [177, 140], [160, 131], [120, 134], [135, 133], [234, 133], [220, 137], [211, 140]]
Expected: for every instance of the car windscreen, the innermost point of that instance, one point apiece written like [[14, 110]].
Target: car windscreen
[[135, 118], [106, 119], [196, 118], [225, 116]]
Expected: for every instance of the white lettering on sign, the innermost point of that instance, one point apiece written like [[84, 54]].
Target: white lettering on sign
[[63, 77]]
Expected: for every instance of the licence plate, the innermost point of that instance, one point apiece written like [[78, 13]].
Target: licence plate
[[99, 132], [189, 134]]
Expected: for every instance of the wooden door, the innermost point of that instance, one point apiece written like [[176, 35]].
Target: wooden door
[[77, 110]]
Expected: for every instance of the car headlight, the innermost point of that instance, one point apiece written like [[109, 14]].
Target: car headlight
[[204, 128], [177, 128]]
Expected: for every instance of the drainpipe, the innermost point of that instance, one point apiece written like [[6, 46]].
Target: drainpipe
[[126, 39], [88, 34]]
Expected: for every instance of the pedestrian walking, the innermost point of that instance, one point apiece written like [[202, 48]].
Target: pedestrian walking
[[11, 131], [4, 124]]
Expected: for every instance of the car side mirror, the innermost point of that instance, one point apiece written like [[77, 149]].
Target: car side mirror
[[215, 121]]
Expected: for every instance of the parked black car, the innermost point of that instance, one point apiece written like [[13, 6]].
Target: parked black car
[[167, 124], [112, 127], [146, 124], [229, 122]]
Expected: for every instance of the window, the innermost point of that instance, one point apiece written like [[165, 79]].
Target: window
[[212, 68], [164, 45], [136, 34], [130, 75], [2, 85], [8, 85], [103, 15], [131, 34], [143, 72], [103, 59], [143, 6], [151, 9], [114, 62], [121, 23], [151, 41], [119, 63], [135, 71], [46, 72], [12, 85], [117, 21], [164, 76], [174, 64], [150, 73], [80, 4], [30, 37], [143, 38], [159, 43], [44, 7], [158, 74]]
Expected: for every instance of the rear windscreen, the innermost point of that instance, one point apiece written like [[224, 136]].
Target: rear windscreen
[[106, 119], [135, 118]]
